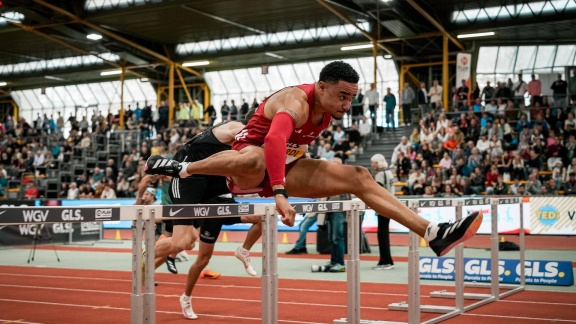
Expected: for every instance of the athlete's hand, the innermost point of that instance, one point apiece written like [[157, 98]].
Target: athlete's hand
[[286, 211]]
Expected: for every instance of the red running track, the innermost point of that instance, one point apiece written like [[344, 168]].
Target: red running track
[[50, 295]]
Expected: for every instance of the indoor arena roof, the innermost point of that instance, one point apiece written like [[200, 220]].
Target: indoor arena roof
[[44, 42]]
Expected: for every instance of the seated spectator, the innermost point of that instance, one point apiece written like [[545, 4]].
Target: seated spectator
[[341, 148], [555, 153], [327, 152], [32, 191], [451, 144], [496, 146], [483, 144], [108, 192], [419, 186], [533, 186], [570, 185], [570, 169], [403, 167], [522, 123], [354, 136], [501, 188], [3, 183], [415, 177], [428, 192], [414, 139], [445, 164], [570, 125], [491, 179], [466, 188], [448, 192], [401, 147], [73, 192], [552, 187]]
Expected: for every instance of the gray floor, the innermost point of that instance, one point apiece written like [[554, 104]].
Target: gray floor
[[294, 268]]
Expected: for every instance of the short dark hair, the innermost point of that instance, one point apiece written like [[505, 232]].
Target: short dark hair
[[339, 71]]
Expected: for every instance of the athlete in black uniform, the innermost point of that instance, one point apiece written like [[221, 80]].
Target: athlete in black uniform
[[207, 190]]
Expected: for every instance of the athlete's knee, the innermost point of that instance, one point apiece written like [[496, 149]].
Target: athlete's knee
[[359, 177], [180, 244], [203, 260]]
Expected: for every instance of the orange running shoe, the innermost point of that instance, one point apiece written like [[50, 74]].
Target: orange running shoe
[[209, 274]]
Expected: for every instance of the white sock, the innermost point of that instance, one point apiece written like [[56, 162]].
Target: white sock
[[183, 173], [431, 232], [185, 298], [244, 250]]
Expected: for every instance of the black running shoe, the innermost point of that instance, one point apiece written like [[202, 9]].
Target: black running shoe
[[156, 164], [451, 234], [171, 265]]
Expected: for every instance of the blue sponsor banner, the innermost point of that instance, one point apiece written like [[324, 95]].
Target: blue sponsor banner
[[538, 272]]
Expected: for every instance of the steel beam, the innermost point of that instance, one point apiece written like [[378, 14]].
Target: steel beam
[[445, 82], [349, 21], [110, 34], [184, 86], [435, 23]]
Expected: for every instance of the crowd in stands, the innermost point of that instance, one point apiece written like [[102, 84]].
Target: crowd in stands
[[38, 146], [488, 142]]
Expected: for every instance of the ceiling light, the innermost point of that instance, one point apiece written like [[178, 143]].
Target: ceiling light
[[476, 35], [196, 63], [12, 16], [94, 36], [143, 79], [3, 84], [49, 77], [275, 55], [111, 72], [387, 56], [355, 47]]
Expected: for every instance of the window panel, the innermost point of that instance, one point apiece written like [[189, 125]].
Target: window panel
[[32, 99], [487, 59], [565, 55], [230, 82], [259, 79], [215, 82], [316, 67], [303, 73], [275, 79], [506, 58], [545, 57], [77, 97], [243, 78], [525, 59], [288, 75]]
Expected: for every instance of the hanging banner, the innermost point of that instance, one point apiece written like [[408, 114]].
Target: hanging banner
[[463, 64]]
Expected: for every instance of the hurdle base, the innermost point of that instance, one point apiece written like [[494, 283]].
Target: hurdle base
[[488, 285], [345, 320], [402, 306], [447, 294]]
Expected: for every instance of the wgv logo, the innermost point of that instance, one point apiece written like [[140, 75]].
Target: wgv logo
[[202, 211], [30, 229], [307, 208], [35, 215]]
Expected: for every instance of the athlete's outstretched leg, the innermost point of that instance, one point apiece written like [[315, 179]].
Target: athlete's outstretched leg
[[316, 179], [254, 233], [246, 167]]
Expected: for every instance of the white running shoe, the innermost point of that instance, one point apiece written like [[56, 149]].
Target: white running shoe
[[245, 258], [187, 308]]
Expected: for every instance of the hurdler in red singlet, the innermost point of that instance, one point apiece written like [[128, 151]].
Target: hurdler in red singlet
[[257, 133]]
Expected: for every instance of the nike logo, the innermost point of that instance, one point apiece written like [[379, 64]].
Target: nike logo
[[298, 131], [174, 212], [2, 212]]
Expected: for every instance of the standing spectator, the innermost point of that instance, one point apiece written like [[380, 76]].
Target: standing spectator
[[211, 112], [243, 109], [233, 114], [535, 91], [373, 100], [520, 88], [572, 85], [255, 103], [407, 99], [358, 106], [463, 95], [390, 104], [488, 92], [184, 113], [435, 94], [559, 88], [423, 99], [196, 111], [225, 111], [163, 114], [384, 178]]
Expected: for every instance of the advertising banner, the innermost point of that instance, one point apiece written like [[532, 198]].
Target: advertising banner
[[553, 215], [538, 272], [115, 224], [463, 63]]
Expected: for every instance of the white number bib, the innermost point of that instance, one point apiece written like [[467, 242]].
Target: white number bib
[[295, 151]]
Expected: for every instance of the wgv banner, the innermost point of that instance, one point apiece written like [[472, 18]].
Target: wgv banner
[[538, 272]]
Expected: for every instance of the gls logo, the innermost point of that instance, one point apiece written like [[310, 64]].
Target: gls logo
[[35, 215], [224, 210], [72, 215]]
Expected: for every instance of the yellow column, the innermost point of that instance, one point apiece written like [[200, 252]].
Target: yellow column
[[171, 95], [122, 75], [400, 86], [445, 81]]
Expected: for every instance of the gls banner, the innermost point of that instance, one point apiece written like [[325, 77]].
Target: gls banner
[[538, 272], [199, 211], [24, 215]]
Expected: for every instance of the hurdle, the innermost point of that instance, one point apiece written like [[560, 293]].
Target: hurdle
[[459, 295], [494, 284], [143, 310]]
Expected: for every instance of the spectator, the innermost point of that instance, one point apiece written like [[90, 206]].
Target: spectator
[[501, 188], [535, 90], [373, 99], [423, 99], [491, 179], [559, 88], [435, 94], [73, 192], [533, 186], [407, 99], [520, 88], [32, 191], [570, 185], [384, 178], [403, 167], [389, 105]]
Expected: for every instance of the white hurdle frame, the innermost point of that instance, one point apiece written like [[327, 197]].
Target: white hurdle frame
[[495, 284]]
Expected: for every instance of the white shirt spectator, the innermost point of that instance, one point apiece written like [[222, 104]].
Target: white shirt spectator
[[483, 146], [373, 97], [365, 128]]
